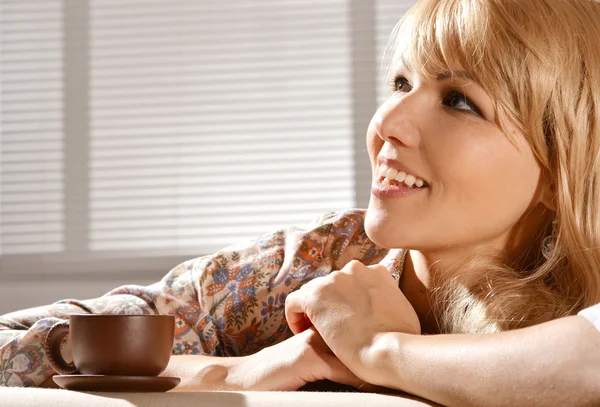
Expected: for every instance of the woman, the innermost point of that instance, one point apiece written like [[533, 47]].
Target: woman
[[485, 166]]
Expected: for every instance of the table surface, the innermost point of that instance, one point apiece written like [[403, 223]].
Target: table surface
[[30, 397]]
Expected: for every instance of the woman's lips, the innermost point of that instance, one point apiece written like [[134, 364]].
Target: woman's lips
[[394, 190]]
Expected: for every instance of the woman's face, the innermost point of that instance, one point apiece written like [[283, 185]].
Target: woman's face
[[477, 184]]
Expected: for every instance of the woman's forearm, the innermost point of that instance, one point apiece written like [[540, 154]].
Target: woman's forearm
[[552, 364], [198, 372]]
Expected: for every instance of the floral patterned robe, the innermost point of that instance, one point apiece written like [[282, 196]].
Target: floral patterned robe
[[230, 303]]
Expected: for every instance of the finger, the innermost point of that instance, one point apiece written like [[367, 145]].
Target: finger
[[295, 314]]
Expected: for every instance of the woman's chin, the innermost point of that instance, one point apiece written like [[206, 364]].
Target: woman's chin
[[385, 231]]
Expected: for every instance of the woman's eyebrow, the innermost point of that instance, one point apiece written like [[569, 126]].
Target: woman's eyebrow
[[448, 75], [403, 64]]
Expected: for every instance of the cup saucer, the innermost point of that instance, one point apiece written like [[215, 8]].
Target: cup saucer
[[88, 382]]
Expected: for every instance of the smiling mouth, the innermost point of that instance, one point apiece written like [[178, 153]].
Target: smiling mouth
[[386, 182], [384, 188], [395, 177], [410, 183]]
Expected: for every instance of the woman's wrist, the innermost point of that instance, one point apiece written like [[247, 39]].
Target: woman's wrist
[[198, 372], [383, 359]]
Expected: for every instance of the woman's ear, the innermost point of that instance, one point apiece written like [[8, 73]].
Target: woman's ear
[[548, 192]]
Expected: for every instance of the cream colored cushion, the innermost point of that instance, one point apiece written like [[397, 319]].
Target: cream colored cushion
[[35, 397]]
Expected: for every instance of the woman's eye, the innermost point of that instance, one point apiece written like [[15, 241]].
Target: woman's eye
[[457, 100], [400, 84]]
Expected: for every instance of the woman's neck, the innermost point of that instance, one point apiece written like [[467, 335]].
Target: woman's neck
[[415, 285]]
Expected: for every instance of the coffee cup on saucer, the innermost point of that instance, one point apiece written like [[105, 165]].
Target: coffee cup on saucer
[[113, 352]]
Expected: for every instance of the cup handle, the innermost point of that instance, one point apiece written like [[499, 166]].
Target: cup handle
[[52, 348]]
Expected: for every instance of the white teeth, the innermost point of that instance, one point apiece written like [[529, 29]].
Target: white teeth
[[391, 173], [400, 176]]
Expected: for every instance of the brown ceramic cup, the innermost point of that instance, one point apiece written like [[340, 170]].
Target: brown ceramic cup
[[123, 345]]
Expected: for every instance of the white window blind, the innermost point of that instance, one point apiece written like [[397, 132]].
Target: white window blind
[[31, 128], [213, 122], [139, 130]]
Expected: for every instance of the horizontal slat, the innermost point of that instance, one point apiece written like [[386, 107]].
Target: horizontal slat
[[39, 215], [42, 44], [336, 113], [280, 127], [115, 8], [338, 94], [31, 228], [42, 106], [30, 167], [236, 62], [40, 116], [130, 33], [31, 76], [32, 197], [53, 65], [33, 87], [51, 22], [48, 186], [29, 238], [253, 228], [267, 190], [290, 107], [38, 145], [274, 159], [43, 156], [190, 12], [198, 211], [134, 92], [31, 51], [187, 245], [41, 56], [183, 201], [226, 179], [282, 167], [23, 38], [32, 96], [282, 146], [34, 126], [174, 225], [30, 7], [284, 49], [207, 69], [32, 209], [9, 248], [187, 139]]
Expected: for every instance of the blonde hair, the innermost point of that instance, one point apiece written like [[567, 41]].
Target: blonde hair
[[539, 60]]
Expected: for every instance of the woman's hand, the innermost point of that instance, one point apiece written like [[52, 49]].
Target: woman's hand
[[350, 308], [291, 364]]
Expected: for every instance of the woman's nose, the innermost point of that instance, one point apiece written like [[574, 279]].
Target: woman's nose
[[397, 121]]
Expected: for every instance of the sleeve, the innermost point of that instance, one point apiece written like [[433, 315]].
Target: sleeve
[[592, 314], [226, 304]]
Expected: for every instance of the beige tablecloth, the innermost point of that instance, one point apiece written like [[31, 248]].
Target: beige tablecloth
[[35, 397]]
